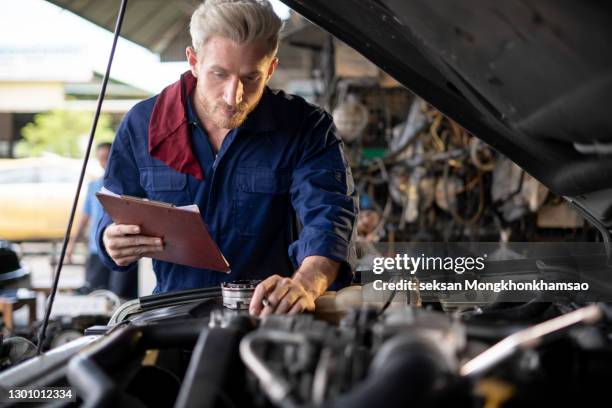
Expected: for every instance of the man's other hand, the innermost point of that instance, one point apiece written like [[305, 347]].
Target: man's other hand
[[124, 244], [281, 295]]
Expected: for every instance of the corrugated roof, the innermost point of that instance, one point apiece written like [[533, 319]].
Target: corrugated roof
[[162, 26], [159, 25]]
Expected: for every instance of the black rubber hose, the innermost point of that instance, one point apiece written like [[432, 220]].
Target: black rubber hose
[[406, 372], [154, 303], [91, 383], [174, 296], [88, 376], [88, 372]]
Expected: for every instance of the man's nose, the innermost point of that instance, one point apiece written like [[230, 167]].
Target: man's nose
[[234, 91]]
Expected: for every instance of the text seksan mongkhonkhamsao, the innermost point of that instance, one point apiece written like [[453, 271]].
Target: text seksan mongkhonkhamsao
[[459, 265]]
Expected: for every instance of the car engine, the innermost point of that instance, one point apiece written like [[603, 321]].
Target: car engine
[[186, 349]]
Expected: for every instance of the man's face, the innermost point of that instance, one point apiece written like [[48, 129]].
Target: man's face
[[231, 80], [102, 156]]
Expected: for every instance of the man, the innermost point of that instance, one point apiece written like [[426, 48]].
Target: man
[[250, 158], [97, 275]]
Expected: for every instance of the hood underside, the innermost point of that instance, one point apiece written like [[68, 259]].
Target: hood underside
[[532, 78]]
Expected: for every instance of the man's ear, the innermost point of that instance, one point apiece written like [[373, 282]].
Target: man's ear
[[272, 68], [192, 59]]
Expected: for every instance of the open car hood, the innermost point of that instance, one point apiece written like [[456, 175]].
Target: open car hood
[[532, 78]]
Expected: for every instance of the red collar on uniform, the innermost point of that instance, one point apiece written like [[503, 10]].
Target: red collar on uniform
[[169, 135]]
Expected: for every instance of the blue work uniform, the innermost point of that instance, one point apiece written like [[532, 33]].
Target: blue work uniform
[[284, 160]]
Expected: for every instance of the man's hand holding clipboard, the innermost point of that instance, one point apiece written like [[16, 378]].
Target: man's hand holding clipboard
[[144, 228], [125, 245]]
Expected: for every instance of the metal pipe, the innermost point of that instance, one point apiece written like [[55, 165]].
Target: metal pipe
[[277, 389], [529, 338]]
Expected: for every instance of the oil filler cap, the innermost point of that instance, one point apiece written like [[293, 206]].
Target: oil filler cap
[[237, 295]]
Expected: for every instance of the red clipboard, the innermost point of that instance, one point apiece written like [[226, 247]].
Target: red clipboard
[[185, 236]]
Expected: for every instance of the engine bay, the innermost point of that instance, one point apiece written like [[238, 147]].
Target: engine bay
[[187, 349]]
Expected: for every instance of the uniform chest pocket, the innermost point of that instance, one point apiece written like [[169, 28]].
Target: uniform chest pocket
[[165, 184], [264, 181], [261, 203]]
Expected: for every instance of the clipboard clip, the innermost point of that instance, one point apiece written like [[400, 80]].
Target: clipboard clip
[[140, 199]]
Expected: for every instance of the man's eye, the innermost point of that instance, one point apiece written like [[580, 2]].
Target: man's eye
[[219, 74], [252, 78]]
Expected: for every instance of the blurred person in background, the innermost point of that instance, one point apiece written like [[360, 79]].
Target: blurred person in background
[[97, 275]]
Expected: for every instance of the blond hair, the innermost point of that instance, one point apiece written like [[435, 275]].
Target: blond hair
[[242, 21]]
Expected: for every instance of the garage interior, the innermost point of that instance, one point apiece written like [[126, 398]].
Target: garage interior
[[422, 176]]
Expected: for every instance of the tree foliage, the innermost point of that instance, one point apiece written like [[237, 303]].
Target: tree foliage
[[62, 132]]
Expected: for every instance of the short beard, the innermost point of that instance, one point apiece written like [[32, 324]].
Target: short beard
[[221, 121], [232, 122]]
